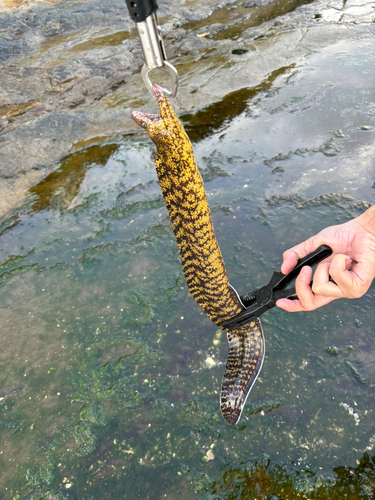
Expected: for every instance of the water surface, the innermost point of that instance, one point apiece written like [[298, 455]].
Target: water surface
[[111, 374]]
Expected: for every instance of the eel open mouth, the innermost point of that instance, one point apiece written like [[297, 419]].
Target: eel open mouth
[[146, 118], [143, 119]]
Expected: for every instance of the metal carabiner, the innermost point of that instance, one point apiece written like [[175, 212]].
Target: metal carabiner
[[154, 54], [167, 68], [143, 13]]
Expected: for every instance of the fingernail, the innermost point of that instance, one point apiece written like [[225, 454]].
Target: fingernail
[[282, 303], [303, 272]]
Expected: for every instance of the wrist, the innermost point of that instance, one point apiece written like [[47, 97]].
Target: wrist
[[367, 220]]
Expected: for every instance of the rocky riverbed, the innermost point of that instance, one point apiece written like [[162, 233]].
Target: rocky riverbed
[[70, 70]]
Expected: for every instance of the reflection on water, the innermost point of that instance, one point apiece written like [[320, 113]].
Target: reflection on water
[[210, 119], [111, 374], [61, 186]]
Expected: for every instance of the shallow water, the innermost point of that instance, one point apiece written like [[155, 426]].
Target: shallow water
[[105, 387]]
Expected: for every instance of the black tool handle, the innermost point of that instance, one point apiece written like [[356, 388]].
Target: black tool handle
[[311, 260], [263, 299], [140, 9]]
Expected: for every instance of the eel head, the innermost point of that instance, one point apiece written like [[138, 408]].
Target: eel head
[[165, 129]]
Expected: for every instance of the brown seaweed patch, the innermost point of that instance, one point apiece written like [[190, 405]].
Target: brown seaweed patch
[[60, 187], [210, 119]]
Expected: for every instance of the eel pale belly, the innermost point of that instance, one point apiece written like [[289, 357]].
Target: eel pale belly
[[185, 198]]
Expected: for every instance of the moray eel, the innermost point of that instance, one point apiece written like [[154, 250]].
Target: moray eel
[[185, 198]]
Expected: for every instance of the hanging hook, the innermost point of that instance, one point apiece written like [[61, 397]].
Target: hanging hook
[[143, 12]]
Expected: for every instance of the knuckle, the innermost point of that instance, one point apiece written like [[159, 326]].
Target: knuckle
[[287, 254], [317, 289]]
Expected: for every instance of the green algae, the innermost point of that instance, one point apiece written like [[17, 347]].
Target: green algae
[[262, 478]]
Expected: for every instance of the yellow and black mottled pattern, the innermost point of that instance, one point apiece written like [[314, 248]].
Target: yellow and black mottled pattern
[[202, 262]]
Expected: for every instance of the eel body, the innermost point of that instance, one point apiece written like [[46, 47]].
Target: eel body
[[202, 263]]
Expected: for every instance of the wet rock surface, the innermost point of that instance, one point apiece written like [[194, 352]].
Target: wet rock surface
[[70, 70]]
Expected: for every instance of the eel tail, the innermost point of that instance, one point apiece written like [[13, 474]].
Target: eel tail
[[244, 362]]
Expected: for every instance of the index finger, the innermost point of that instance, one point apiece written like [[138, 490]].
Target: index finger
[[294, 254]]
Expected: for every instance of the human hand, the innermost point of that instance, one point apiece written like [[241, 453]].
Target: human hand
[[351, 265]]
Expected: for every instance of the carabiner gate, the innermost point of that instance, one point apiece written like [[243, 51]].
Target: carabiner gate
[[167, 68], [154, 54]]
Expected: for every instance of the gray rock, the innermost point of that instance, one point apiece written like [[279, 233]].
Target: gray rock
[[70, 70]]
